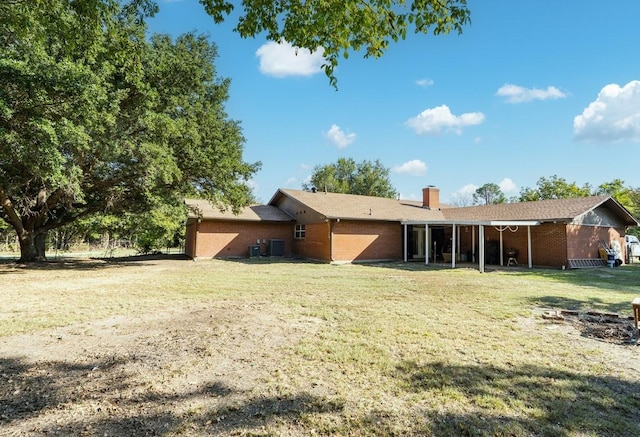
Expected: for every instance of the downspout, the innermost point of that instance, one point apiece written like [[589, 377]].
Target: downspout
[[331, 222], [195, 243]]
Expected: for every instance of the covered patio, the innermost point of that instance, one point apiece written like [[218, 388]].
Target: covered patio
[[435, 240]]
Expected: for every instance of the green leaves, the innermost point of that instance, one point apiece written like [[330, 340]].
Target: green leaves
[[96, 118], [366, 178], [340, 27], [554, 188], [489, 194]]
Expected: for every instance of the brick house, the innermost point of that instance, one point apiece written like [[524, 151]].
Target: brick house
[[336, 228], [222, 234]]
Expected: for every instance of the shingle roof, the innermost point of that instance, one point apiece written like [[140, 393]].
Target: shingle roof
[[349, 206], [199, 208], [354, 207], [542, 210]]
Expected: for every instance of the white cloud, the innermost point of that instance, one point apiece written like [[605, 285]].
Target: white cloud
[[464, 196], [424, 82], [415, 167], [282, 60], [507, 186], [518, 94], [613, 116], [292, 180], [252, 184], [467, 189], [339, 138], [437, 120]]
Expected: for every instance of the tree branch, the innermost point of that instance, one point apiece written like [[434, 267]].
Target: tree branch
[[10, 211]]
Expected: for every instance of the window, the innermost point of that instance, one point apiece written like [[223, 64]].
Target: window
[[299, 233]]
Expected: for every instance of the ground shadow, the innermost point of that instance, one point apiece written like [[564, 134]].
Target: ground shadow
[[101, 398], [587, 304], [526, 400], [12, 266]]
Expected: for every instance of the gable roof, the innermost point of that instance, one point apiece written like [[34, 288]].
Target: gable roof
[[199, 208], [562, 210], [355, 207]]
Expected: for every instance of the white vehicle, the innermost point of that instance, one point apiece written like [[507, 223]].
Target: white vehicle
[[633, 247]]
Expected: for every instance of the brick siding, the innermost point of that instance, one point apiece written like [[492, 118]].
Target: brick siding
[[548, 243], [583, 241], [219, 239], [316, 244], [366, 241]]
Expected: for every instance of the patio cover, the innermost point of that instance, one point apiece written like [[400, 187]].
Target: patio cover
[[500, 225]]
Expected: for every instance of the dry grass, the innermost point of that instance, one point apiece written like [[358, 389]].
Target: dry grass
[[394, 349]]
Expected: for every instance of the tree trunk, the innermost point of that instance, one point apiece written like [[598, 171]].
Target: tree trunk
[[32, 246]]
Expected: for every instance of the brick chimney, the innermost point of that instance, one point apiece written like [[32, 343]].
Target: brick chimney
[[431, 198]]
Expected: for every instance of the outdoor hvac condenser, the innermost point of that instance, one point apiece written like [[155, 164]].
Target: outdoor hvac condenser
[[276, 247]]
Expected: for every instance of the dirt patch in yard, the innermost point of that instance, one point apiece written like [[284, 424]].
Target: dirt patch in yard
[[608, 327], [187, 371]]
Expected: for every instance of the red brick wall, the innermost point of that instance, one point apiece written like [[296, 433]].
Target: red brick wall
[[552, 244], [232, 239], [189, 239], [548, 243], [583, 241], [363, 241], [316, 244]]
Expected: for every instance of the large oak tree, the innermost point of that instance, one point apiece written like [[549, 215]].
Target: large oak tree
[[95, 117]]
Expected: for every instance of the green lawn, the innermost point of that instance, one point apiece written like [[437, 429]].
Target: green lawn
[[399, 349]]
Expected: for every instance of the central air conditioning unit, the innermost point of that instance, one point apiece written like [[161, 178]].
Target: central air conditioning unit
[[276, 247], [254, 251]]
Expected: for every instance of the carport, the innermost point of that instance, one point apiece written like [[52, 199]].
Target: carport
[[479, 226]]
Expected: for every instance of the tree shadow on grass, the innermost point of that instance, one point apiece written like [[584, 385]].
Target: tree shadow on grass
[[624, 279], [100, 398], [586, 304], [80, 264], [527, 400]]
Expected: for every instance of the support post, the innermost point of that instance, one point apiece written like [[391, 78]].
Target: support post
[[405, 244], [481, 248], [529, 246], [427, 244], [453, 247]]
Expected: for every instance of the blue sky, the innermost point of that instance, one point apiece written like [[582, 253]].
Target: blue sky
[[529, 89]]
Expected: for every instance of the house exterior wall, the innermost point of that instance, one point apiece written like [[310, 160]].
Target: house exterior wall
[[302, 213], [553, 244], [231, 239], [583, 242], [548, 243], [190, 239], [366, 241], [316, 244]]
